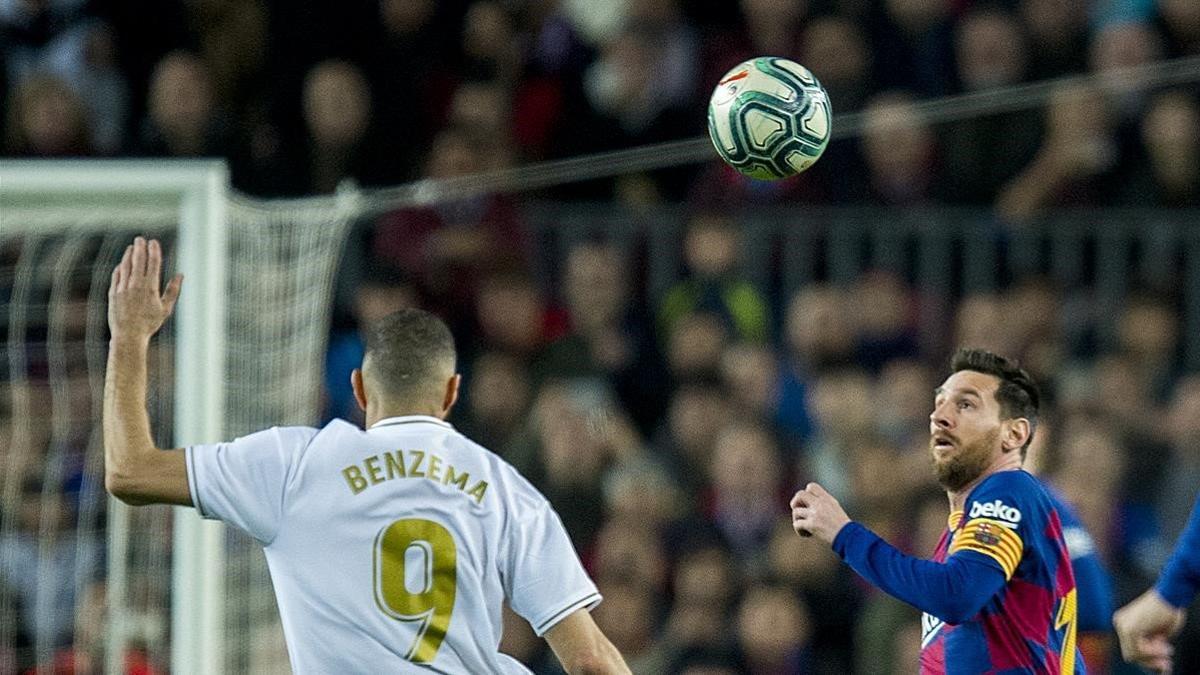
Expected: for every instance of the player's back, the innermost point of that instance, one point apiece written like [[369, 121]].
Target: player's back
[[397, 545]]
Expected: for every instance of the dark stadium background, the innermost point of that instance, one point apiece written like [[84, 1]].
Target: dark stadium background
[[669, 355]]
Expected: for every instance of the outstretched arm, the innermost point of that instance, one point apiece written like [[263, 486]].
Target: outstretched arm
[[1180, 579], [582, 648], [953, 591], [1146, 626], [135, 471]]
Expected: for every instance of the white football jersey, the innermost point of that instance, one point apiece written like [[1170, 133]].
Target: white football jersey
[[392, 549]]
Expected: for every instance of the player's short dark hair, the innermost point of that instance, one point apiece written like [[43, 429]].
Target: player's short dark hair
[[409, 350], [1017, 394]]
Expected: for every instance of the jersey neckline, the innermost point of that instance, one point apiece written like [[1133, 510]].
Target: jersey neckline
[[410, 419]]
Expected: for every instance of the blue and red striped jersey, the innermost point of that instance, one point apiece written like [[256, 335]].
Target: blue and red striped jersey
[[1029, 626]]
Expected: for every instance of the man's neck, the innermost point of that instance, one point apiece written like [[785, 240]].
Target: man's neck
[[958, 498], [375, 415]]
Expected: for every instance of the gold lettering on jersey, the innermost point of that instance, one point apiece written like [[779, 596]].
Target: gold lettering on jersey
[[355, 479], [478, 490], [414, 469], [435, 465], [373, 470], [386, 466], [460, 480], [395, 464]]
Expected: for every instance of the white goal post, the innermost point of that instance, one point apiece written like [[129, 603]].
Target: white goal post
[[298, 244]]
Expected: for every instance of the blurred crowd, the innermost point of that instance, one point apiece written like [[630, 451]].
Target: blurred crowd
[[302, 97], [668, 429]]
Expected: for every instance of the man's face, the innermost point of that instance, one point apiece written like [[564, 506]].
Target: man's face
[[964, 428]]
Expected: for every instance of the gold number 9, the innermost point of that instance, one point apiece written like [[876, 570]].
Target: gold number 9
[[415, 580]]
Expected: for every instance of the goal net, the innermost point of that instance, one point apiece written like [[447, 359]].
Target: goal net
[[88, 582]]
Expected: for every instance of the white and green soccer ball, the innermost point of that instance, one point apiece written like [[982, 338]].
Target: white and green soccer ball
[[769, 118]]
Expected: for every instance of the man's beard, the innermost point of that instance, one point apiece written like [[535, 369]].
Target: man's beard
[[968, 464]]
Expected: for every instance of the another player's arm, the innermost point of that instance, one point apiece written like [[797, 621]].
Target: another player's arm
[[135, 471], [582, 647], [953, 591], [1180, 579], [1146, 625]]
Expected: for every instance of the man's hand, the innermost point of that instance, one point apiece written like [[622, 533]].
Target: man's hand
[[816, 513], [1145, 628], [136, 308]]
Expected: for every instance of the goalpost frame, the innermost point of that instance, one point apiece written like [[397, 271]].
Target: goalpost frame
[[199, 189]]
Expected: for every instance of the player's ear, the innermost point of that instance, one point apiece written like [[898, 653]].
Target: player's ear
[[360, 391], [1016, 433], [451, 398]]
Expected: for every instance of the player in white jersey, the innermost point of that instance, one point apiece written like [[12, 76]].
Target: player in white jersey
[[390, 549]]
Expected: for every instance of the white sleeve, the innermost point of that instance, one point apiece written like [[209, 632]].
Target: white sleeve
[[545, 581], [242, 482]]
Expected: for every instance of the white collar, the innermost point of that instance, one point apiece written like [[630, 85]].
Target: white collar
[[411, 419]]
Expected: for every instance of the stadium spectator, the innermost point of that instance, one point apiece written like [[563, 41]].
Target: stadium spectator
[[183, 118], [712, 255], [900, 152], [565, 453], [497, 399], [410, 74], [698, 410], [819, 333], [489, 47], [774, 629], [46, 119], [841, 405], [766, 27], [901, 388], [1180, 25], [1147, 331], [609, 334], [1118, 46], [1167, 170], [1086, 489], [1058, 34], [750, 373], [628, 104], [380, 290], [87, 653], [1076, 163], [825, 586], [639, 489], [448, 248], [837, 43], [884, 327], [630, 618], [981, 154], [338, 119], [913, 45], [232, 40], [747, 474], [695, 344], [629, 554]]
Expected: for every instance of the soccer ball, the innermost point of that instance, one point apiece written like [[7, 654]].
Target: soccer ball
[[769, 118]]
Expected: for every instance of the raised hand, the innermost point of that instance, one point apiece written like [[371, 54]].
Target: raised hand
[[136, 306]]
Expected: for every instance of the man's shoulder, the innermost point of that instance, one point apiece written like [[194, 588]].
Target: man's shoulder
[[1011, 496], [1016, 482]]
